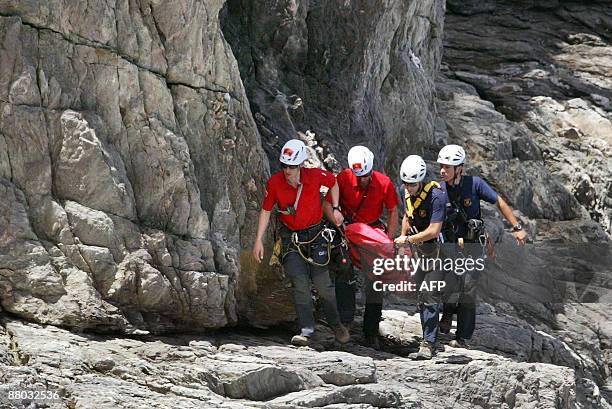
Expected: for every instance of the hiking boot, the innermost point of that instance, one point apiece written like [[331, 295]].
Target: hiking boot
[[457, 343], [371, 341], [341, 333], [426, 352], [445, 324], [300, 340]]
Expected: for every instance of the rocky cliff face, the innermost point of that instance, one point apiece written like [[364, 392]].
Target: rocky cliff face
[[524, 86], [546, 68], [135, 139], [340, 69], [131, 167]]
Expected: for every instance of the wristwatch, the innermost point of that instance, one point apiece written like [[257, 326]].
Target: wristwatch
[[517, 227], [336, 208]]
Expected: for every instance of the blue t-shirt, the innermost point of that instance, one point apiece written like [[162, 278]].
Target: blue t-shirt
[[467, 195], [439, 202]]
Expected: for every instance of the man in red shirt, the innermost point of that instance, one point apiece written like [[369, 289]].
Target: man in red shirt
[[295, 192], [363, 194]]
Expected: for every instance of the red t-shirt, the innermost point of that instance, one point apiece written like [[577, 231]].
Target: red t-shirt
[[281, 193], [381, 191]]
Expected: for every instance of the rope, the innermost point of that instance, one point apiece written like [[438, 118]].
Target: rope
[[330, 233]]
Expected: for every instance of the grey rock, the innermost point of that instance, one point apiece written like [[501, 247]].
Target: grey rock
[[170, 372], [370, 396], [555, 117], [132, 171], [556, 90], [109, 98], [352, 67], [400, 327], [103, 184], [471, 7]]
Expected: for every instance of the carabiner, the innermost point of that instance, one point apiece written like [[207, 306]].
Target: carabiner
[[328, 234]]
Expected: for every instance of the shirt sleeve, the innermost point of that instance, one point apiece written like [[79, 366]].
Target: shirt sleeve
[[270, 198], [328, 195], [438, 206], [485, 191]]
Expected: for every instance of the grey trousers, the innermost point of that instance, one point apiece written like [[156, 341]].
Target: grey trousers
[[301, 273]]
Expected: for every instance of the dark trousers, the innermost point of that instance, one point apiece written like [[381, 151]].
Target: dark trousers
[[345, 295], [302, 274], [460, 297], [343, 275], [373, 308], [429, 299], [466, 318]]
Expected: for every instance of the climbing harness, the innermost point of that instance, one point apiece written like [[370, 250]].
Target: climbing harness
[[327, 234], [421, 250]]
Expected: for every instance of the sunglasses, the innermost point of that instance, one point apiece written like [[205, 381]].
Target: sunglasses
[[411, 184], [285, 166]]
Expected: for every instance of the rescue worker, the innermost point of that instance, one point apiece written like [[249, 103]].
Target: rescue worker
[[295, 192], [421, 226], [464, 226], [364, 192]]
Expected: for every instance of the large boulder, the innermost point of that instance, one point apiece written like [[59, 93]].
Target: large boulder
[[131, 165]]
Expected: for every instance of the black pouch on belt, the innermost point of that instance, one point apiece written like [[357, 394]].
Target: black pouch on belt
[[475, 229], [319, 251]]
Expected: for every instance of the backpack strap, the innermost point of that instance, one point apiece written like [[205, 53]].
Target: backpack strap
[[292, 209], [353, 215], [411, 207]]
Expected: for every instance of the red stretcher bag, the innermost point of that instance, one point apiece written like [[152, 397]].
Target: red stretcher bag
[[366, 244]]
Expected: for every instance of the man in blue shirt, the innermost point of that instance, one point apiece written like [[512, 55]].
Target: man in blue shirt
[[425, 211], [464, 225]]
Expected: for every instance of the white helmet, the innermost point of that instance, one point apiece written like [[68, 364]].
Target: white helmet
[[360, 160], [294, 152], [451, 155], [413, 169]]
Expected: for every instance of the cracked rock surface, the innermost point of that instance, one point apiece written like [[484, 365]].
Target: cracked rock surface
[[125, 207], [263, 372], [342, 70], [547, 69]]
